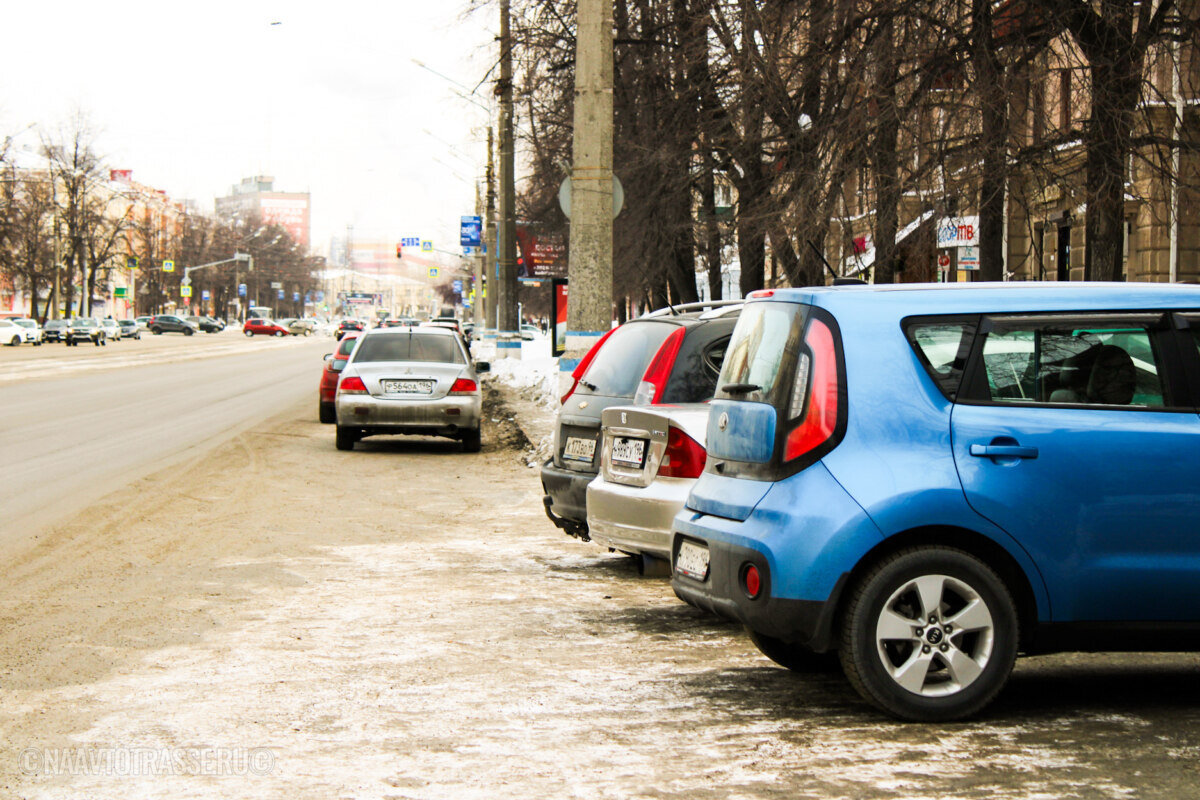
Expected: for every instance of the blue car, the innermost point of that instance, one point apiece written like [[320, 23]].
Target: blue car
[[930, 480]]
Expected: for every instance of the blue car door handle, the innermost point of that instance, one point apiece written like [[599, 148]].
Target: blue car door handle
[[1003, 451]]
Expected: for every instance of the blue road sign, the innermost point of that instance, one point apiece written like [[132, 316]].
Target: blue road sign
[[411, 241], [280, 294], [457, 286], [204, 295], [241, 290], [295, 297], [471, 231]]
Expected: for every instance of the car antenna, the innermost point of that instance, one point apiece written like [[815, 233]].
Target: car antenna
[[824, 261], [838, 280]]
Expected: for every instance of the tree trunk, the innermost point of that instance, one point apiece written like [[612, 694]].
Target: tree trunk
[[993, 102], [886, 159], [1108, 137]]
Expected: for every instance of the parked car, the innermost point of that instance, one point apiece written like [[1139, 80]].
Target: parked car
[[143, 322], [31, 331], [669, 356], [169, 323], [205, 324], [529, 332], [397, 322], [112, 331], [54, 330], [928, 481], [649, 458], [335, 362], [129, 329], [11, 333], [84, 329], [415, 381], [258, 326]]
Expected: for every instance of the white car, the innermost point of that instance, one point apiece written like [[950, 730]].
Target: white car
[[31, 331], [111, 329], [11, 333]]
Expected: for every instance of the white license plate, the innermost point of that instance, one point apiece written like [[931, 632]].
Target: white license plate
[[628, 452], [577, 449], [407, 387], [692, 560]]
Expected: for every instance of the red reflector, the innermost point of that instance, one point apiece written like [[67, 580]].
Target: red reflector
[[463, 386], [760, 293], [352, 385], [684, 457], [660, 368], [821, 407], [752, 581]]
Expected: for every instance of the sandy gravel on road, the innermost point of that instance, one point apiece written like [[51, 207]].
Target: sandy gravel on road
[[402, 622]]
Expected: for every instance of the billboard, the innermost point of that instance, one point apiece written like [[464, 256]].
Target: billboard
[[543, 253], [290, 213], [559, 299]]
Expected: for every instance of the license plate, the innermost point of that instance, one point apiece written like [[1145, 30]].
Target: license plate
[[692, 560], [577, 449], [407, 387], [628, 452]]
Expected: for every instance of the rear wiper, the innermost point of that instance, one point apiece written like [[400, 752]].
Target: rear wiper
[[589, 386], [740, 388]]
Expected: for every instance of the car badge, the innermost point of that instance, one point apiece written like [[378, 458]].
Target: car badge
[[624, 419], [583, 403], [723, 421]]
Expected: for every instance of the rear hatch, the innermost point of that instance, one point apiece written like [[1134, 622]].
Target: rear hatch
[[610, 380]]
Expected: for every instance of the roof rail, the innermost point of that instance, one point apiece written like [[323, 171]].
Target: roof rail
[[675, 309]]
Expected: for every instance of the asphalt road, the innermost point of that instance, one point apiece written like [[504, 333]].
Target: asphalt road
[[79, 423]]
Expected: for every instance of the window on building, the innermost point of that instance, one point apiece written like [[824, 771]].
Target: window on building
[[1064, 99]]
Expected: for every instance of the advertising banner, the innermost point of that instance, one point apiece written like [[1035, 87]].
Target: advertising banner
[[471, 231], [559, 305], [543, 254]]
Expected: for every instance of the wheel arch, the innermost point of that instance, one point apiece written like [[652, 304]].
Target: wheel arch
[[986, 549]]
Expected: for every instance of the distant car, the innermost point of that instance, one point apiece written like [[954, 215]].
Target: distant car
[[347, 325], [129, 329], [296, 327], [169, 323], [112, 331], [11, 333], [32, 331], [54, 330], [529, 332], [205, 324], [335, 362], [417, 381], [397, 322], [257, 326], [84, 329], [446, 322], [143, 323], [668, 356]]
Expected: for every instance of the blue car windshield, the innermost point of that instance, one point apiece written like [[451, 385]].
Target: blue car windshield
[[759, 348]]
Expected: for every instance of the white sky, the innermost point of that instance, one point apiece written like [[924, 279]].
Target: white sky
[[194, 96]]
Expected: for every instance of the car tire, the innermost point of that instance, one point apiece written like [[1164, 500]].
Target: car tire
[[793, 655], [924, 671], [249, 334], [345, 438], [472, 441], [278, 333], [156, 331], [327, 413], [16, 340], [188, 331], [101, 342]]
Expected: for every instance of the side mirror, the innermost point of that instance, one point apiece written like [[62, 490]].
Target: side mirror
[[327, 356], [483, 366]]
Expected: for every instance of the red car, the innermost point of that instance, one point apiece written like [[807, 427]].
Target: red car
[[335, 362], [256, 326]]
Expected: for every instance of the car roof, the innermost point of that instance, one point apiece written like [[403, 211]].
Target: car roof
[[912, 299], [432, 330]]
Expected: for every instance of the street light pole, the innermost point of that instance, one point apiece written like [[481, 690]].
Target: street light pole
[[506, 296]]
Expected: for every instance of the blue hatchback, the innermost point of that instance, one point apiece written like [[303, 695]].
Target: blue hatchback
[[929, 480]]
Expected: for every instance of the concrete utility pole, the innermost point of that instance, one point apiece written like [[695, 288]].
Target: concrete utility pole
[[489, 302], [507, 324], [589, 305]]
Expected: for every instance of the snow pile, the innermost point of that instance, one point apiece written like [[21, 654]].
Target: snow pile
[[535, 379]]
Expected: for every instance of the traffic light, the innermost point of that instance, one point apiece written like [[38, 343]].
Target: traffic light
[[399, 249]]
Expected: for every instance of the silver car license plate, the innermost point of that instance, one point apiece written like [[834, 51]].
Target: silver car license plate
[[628, 452], [692, 560], [577, 449], [407, 387]]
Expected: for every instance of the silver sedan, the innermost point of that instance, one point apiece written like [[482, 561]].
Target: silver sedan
[[409, 381], [649, 459]]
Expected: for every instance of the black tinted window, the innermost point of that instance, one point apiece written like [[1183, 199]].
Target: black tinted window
[[408, 347], [346, 346], [622, 361], [694, 378], [942, 346]]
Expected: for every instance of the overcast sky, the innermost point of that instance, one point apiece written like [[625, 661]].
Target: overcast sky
[[195, 96]]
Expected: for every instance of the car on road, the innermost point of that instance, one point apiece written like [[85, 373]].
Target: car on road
[[112, 331], [417, 381], [296, 327], [170, 323], [205, 324], [11, 333], [930, 480], [129, 329], [54, 330], [335, 362], [668, 356], [31, 330], [348, 325], [143, 322], [260, 326], [650, 456], [397, 322], [84, 329]]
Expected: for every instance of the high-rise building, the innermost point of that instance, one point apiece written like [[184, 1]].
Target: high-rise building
[[256, 195]]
